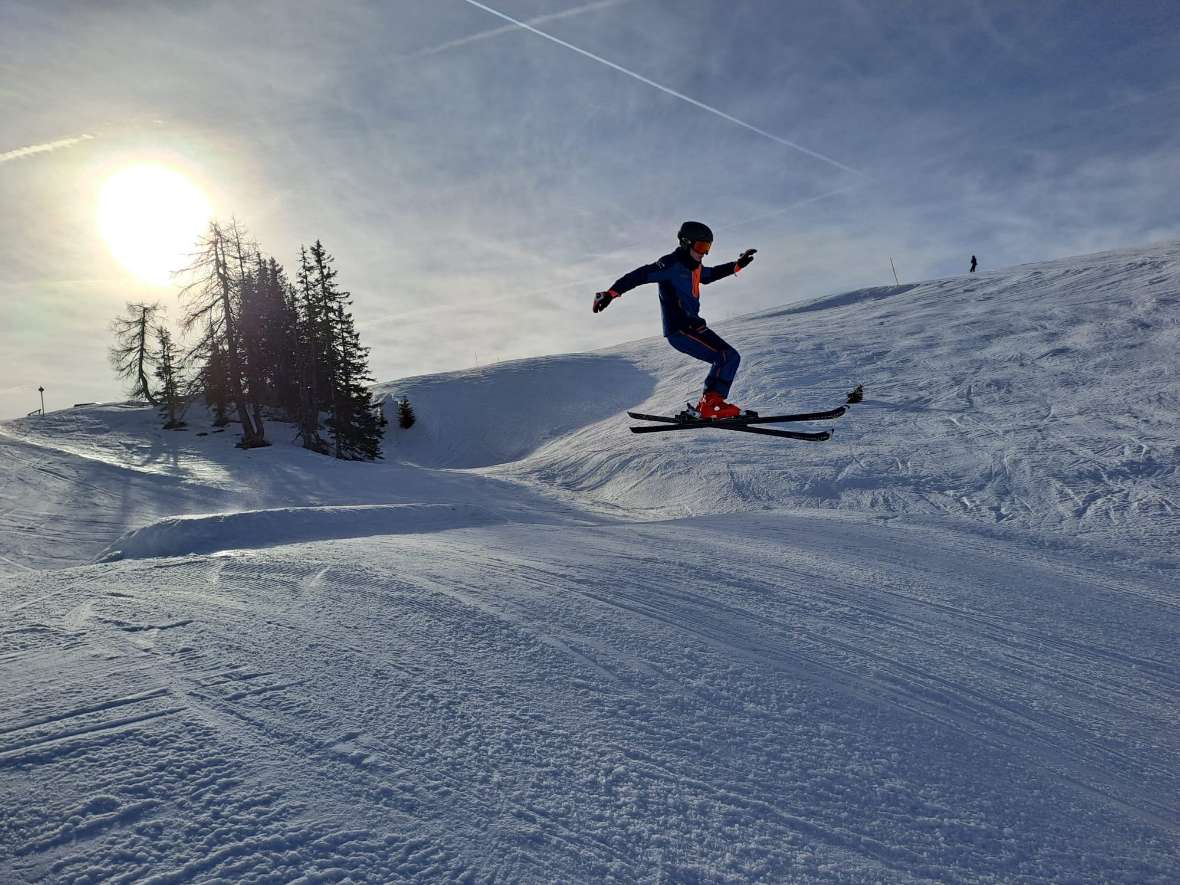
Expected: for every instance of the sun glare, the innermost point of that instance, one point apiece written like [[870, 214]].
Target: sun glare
[[151, 217]]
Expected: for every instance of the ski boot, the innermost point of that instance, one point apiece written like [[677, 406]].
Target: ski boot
[[713, 405]]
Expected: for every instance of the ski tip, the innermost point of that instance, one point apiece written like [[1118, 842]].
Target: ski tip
[[857, 394]]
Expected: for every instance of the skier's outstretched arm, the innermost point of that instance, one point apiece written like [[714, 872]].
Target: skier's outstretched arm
[[646, 274], [717, 272], [721, 271]]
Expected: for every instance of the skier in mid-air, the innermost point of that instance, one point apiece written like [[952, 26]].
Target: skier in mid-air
[[680, 275]]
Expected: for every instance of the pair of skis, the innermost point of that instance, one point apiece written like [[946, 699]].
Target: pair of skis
[[746, 423]]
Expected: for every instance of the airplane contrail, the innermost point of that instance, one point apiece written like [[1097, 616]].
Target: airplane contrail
[[692, 101], [42, 148], [508, 29]]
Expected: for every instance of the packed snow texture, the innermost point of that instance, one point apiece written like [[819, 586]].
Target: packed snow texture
[[533, 647]]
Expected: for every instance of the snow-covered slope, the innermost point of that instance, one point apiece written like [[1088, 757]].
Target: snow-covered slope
[[534, 647], [760, 697], [1046, 396]]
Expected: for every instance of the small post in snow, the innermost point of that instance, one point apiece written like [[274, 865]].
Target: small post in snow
[[41, 390], [895, 279]]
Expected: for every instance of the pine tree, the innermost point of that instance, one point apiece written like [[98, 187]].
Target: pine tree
[[168, 373], [312, 342], [269, 335], [212, 382], [283, 340], [356, 424], [405, 414], [132, 356], [353, 423]]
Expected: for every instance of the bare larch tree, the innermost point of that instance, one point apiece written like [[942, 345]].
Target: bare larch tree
[[132, 356], [213, 302]]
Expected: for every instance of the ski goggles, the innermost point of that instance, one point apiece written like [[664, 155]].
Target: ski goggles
[[701, 246]]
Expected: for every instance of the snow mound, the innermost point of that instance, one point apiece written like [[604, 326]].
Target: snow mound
[[72, 482], [184, 535], [503, 413]]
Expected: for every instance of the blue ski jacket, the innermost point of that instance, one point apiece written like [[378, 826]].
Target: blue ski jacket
[[679, 276]]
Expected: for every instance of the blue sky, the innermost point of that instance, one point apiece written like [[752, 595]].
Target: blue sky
[[478, 182]]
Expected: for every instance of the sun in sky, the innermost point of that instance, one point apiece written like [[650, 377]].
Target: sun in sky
[[151, 217]]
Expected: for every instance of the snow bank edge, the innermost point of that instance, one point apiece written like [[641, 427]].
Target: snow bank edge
[[250, 529]]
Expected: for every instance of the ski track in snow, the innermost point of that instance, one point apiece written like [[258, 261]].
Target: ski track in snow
[[939, 648], [523, 711]]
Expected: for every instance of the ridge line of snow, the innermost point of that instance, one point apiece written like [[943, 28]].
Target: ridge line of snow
[[250, 529]]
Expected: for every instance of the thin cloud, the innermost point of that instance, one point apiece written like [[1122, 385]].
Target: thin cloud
[[585, 282], [783, 210], [667, 90], [508, 29], [43, 148]]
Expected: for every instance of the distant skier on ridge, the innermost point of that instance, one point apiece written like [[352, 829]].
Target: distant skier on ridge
[[680, 275]]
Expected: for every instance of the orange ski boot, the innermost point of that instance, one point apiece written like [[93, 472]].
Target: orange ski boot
[[713, 405]]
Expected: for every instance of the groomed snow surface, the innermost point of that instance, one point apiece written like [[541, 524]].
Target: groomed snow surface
[[533, 647]]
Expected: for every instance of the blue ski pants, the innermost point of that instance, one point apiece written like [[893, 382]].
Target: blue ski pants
[[706, 345]]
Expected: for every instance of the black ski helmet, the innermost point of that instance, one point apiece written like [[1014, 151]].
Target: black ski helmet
[[694, 232]]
